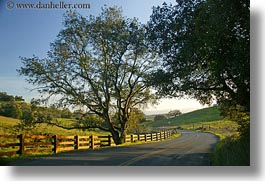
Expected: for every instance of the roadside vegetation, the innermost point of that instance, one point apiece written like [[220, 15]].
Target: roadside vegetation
[[232, 151]]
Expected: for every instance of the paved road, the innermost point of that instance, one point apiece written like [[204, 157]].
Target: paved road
[[191, 149]]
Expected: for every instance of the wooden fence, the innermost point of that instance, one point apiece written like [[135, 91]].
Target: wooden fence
[[28, 144]]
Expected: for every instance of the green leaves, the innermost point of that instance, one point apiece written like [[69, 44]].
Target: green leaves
[[205, 50]]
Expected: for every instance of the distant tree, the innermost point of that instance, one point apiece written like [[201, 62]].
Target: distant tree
[[160, 117], [32, 116], [11, 109], [174, 113], [101, 64], [19, 98], [5, 97]]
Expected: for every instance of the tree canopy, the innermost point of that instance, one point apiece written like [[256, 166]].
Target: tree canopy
[[160, 117], [174, 113], [99, 64], [205, 46]]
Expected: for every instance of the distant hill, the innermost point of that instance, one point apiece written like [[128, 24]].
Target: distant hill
[[201, 115]]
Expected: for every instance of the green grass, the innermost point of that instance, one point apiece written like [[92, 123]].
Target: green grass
[[221, 128], [198, 116], [232, 151], [7, 127]]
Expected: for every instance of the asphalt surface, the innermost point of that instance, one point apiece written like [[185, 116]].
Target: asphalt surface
[[191, 149]]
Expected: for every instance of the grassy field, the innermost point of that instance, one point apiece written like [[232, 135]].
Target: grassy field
[[221, 128], [7, 127], [198, 116]]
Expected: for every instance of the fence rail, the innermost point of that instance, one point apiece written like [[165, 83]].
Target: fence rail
[[29, 144]]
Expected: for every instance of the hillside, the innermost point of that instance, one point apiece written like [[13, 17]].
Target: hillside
[[202, 115], [7, 127]]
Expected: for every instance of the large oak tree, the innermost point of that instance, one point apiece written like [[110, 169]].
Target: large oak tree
[[97, 63], [205, 46]]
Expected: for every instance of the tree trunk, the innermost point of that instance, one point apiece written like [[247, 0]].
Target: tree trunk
[[116, 138], [123, 136]]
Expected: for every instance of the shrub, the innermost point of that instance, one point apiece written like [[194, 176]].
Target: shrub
[[232, 151]]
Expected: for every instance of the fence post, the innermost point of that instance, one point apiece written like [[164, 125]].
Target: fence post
[[55, 144], [21, 144], [131, 138], [160, 136], [77, 142], [109, 140], [151, 136], [164, 135], [92, 146], [138, 137], [145, 137], [156, 136]]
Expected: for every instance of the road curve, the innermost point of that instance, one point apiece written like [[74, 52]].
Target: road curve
[[191, 149]]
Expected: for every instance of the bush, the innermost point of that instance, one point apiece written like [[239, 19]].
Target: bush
[[232, 151], [159, 117], [11, 109]]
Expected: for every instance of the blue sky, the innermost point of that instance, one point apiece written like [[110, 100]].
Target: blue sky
[[28, 32]]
